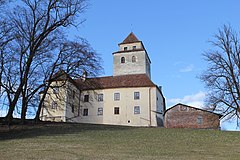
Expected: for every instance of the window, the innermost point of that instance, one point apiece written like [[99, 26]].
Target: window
[[73, 94], [136, 109], [86, 98], [85, 112], [136, 95], [183, 108], [79, 110], [122, 59], [116, 96], [200, 120], [72, 108], [125, 48], [100, 111], [54, 105], [134, 47], [133, 59], [116, 110], [55, 90], [100, 97]]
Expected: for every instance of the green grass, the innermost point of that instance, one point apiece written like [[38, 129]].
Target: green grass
[[82, 141]]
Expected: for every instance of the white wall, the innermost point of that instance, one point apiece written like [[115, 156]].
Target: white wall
[[126, 104]]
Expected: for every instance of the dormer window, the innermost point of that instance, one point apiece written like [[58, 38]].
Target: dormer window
[[133, 59], [125, 48], [122, 59], [134, 47]]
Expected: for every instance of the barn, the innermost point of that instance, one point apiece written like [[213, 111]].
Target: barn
[[184, 116]]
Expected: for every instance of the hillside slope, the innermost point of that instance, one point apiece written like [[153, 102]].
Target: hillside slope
[[83, 141]]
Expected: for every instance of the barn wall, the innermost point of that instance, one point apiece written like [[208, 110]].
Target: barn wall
[[182, 116]]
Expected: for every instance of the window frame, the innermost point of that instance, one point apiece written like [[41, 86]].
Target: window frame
[[86, 98], [100, 111], [136, 95], [136, 110], [73, 94], [200, 120], [134, 59], [54, 105], [116, 110], [100, 97], [55, 90], [73, 108], [85, 112], [123, 60], [116, 96], [125, 48], [183, 109]]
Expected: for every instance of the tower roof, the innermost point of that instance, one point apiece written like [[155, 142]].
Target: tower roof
[[131, 38]]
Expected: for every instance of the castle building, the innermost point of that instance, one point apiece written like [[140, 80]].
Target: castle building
[[129, 97]]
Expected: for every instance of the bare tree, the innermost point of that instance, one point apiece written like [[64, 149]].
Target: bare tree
[[37, 47], [222, 77]]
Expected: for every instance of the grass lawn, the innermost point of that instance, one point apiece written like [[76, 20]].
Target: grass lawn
[[83, 141]]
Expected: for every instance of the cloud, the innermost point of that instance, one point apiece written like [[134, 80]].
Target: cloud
[[195, 100], [188, 68]]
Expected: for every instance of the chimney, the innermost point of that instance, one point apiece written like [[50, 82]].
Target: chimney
[[84, 76]]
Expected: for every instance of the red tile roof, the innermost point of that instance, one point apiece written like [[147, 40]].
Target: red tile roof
[[131, 38], [136, 80]]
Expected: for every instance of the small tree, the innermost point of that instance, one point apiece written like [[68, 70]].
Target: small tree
[[222, 76]]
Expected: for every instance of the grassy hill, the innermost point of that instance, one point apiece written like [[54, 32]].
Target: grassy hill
[[83, 141]]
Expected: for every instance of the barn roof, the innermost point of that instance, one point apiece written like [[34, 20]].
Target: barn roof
[[193, 108]]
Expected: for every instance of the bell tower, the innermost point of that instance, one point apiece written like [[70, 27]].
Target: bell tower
[[132, 58]]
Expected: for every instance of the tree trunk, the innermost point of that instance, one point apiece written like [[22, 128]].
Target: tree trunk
[[9, 115], [23, 113], [37, 117]]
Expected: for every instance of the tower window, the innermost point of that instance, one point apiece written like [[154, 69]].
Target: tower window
[[134, 47], [133, 59], [125, 48], [122, 59]]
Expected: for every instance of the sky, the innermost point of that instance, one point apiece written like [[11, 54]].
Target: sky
[[175, 34]]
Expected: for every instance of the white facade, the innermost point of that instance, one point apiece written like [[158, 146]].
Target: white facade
[[129, 97], [132, 112]]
